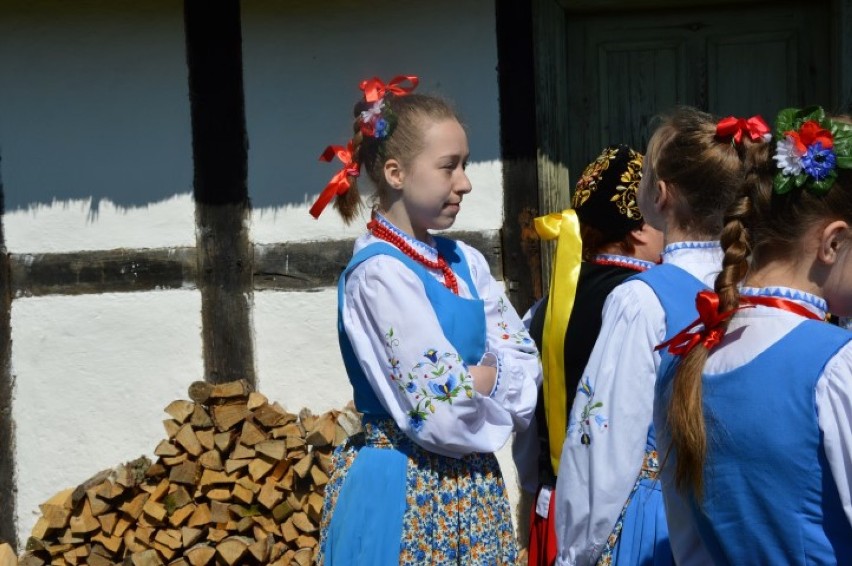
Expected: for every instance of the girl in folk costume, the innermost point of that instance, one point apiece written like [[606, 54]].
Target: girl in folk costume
[[756, 405], [605, 230], [441, 365], [609, 507]]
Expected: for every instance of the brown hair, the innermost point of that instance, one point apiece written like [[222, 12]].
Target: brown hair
[[706, 171], [760, 226], [595, 240], [409, 115]]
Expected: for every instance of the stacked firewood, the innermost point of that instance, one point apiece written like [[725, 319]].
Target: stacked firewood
[[239, 480]]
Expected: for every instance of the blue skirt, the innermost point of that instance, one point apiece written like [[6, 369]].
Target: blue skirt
[[389, 502], [641, 535]]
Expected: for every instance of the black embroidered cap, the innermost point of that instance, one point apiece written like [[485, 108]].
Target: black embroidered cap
[[605, 195]]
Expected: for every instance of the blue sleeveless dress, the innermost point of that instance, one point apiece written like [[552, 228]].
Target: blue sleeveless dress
[[769, 495], [641, 535], [389, 501]]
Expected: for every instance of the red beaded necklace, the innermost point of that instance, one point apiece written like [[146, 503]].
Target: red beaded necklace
[[382, 232]]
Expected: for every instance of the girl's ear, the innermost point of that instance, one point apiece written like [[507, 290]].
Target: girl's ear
[[394, 174], [663, 197], [831, 238]]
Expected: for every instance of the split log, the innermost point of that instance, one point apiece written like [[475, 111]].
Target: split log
[[7, 555]]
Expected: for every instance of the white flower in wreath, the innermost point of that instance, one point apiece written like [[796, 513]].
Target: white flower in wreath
[[787, 157], [373, 113]]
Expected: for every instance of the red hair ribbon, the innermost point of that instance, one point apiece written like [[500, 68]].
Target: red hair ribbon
[[755, 128], [707, 303], [340, 183], [375, 89]]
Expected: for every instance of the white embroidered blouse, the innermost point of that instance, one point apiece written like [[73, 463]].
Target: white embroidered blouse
[[750, 333], [393, 330], [595, 479]]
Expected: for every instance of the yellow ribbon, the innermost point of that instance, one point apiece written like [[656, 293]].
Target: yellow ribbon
[[563, 288]]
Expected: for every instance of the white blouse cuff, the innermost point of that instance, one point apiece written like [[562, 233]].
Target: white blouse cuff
[[490, 359]]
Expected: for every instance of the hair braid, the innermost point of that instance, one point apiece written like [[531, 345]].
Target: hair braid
[[349, 204], [686, 411]]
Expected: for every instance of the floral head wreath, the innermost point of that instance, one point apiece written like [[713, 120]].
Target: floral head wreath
[[810, 148], [376, 122]]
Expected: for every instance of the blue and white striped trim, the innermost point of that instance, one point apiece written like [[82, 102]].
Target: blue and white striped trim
[[639, 264], [816, 304], [432, 252], [705, 245]]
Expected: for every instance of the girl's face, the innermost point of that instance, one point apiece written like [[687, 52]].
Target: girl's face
[[434, 182]]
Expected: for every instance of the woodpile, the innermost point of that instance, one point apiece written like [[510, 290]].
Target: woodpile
[[238, 480]]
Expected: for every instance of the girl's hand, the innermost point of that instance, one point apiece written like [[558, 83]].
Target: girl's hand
[[484, 378]]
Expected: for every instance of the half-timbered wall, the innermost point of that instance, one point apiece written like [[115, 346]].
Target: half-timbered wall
[[102, 230]]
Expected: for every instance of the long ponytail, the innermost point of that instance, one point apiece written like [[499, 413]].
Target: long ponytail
[[686, 418]]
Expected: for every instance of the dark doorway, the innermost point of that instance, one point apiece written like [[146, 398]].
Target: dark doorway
[[625, 67]]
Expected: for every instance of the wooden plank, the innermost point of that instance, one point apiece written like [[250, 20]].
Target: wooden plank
[[310, 265], [107, 271], [551, 109], [580, 6], [220, 158], [516, 84]]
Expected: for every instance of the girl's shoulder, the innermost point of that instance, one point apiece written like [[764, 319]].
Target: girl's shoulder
[[383, 267]]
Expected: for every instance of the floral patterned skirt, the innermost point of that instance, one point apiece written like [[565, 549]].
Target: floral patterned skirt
[[455, 511]]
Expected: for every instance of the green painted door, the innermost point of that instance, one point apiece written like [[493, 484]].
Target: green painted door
[[624, 68]]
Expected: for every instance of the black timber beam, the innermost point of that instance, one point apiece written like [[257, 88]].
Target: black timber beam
[[220, 160], [516, 86], [287, 266]]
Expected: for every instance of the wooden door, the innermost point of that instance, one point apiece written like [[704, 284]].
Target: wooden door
[[625, 68]]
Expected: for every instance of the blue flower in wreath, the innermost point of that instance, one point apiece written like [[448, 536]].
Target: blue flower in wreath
[[381, 128], [431, 354], [818, 162], [411, 387], [415, 421], [445, 389]]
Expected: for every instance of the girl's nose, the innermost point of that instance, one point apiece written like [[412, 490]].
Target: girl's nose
[[464, 186]]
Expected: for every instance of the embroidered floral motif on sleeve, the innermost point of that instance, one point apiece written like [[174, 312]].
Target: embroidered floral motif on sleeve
[[438, 378], [591, 412], [520, 336]]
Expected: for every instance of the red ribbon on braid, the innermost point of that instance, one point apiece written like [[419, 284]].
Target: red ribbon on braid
[[755, 128], [375, 89], [340, 183], [711, 331]]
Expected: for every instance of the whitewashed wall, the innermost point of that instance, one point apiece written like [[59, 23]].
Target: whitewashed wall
[[96, 154]]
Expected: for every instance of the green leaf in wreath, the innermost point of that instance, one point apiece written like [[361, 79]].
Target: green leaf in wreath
[[783, 184], [844, 162], [784, 122], [819, 188]]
